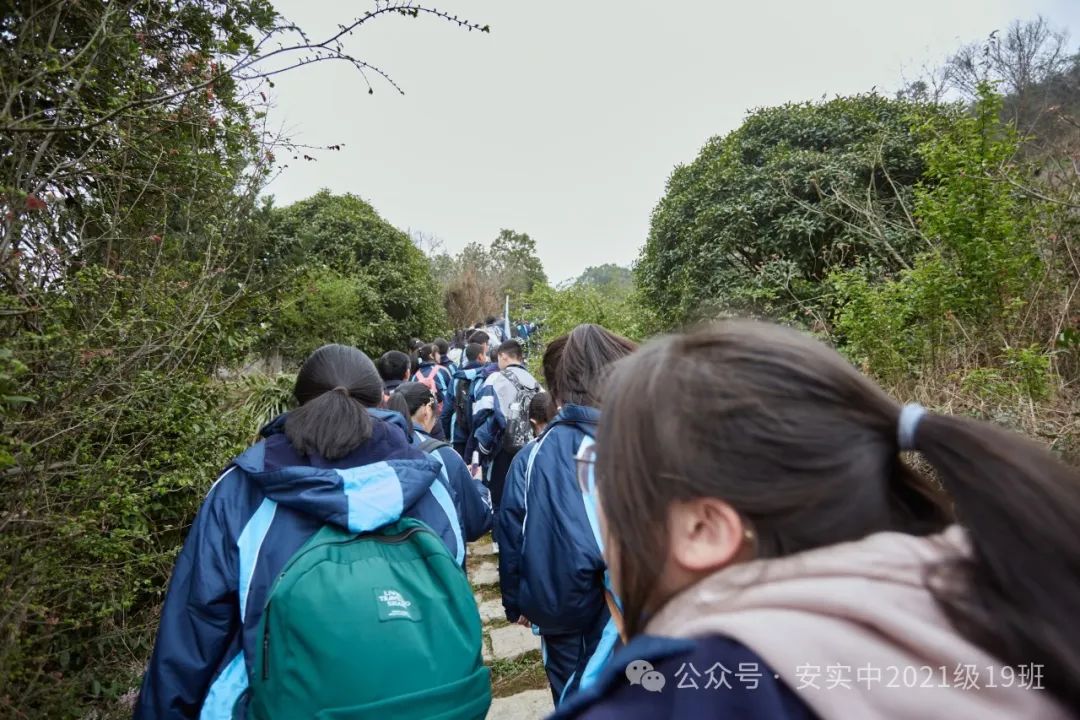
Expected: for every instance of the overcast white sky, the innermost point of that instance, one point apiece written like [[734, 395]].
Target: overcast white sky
[[567, 119]]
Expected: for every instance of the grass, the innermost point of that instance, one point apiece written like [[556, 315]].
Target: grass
[[510, 677]]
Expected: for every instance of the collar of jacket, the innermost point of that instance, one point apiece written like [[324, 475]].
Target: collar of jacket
[[582, 416]]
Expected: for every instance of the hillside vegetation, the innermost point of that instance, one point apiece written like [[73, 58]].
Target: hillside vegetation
[[144, 274]]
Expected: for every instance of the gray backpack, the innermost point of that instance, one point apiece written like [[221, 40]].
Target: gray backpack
[[518, 430]]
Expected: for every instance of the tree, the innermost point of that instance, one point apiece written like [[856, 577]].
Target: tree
[[1019, 62], [515, 262], [476, 280], [134, 270], [376, 282], [760, 218], [608, 277]]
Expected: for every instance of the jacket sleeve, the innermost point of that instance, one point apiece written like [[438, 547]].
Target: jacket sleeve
[[442, 382], [198, 621], [508, 532], [446, 418], [474, 500], [488, 418]]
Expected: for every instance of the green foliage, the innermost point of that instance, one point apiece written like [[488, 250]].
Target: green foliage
[[765, 213], [259, 398], [514, 260], [477, 280], [1023, 372], [561, 310], [10, 400], [608, 277], [137, 264], [350, 277], [963, 300]]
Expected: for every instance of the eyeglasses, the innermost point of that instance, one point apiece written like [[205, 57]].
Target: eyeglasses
[[586, 469]]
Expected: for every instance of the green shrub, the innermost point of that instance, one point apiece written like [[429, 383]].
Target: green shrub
[[762, 216], [959, 306]]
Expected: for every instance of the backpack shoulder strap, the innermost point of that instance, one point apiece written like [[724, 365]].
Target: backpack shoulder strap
[[509, 374], [431, 445]]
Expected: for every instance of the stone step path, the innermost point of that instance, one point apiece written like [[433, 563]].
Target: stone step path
[[527, 705], [512, 651]]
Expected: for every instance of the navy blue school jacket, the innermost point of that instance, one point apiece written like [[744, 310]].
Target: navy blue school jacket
[[471, 497], [698, 679], [261, 510], [550, 565]]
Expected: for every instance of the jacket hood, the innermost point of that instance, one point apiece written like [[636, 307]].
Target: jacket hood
[[862, 604], [370, 487], [582, 417]]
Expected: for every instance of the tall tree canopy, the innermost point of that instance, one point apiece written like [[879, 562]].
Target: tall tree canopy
[[763, 213], [365, 279]]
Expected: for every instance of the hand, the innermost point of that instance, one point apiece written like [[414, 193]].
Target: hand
[[524, 621]]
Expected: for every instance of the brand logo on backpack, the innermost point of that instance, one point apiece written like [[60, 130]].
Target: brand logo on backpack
[[394, 606]]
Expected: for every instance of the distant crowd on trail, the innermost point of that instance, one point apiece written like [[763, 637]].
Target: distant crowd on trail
[[722, 523]]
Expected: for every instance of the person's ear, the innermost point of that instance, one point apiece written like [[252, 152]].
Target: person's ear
[[707, 534]]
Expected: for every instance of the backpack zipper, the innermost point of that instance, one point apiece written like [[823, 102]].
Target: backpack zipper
[[386, 539], [266, 642]]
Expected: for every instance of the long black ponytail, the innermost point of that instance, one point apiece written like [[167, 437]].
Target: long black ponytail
[[335, 387]]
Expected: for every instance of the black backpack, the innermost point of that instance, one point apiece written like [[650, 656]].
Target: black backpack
[[463, 402], [518, 432]]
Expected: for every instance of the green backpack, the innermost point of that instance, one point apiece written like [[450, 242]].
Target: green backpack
[[376, 625]]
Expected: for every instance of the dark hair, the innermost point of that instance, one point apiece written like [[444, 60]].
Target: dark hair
[[442, 345], [805, 448], [586, 358], [408, 398], [393, 365], [552, 356], [542, 408], [414, 364], [489, 320], [473, 351], [511, 348], [427, 352], [415, 344], [335, 386], [480, 337]]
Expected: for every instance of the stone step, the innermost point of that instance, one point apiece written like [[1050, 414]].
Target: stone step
[[512, 641], [491, 610], [486, 574], [528, 705], [482, 549]]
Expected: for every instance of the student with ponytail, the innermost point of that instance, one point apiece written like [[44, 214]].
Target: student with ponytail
[[470, 498], [332, 465], [767, 537]]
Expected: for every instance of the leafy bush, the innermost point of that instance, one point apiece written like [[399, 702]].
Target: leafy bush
[[323, 306], [348, 276], [561, 310], [765, 213], [963, 301]]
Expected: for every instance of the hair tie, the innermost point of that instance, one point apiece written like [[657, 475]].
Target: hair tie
[[343, 390], [910, 415]]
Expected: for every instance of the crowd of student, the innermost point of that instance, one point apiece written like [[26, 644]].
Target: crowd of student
[[737, 533]]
